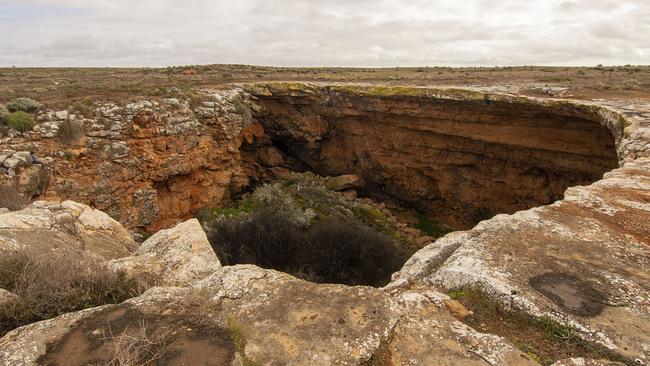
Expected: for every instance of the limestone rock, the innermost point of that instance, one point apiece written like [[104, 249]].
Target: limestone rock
[[582, 260], [4, 154], [50, 226], [579, 361], [172, 257], [440, 150], [23, 346], [274, 319], [343, 182]]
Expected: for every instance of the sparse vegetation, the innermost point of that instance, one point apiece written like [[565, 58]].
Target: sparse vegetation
[[4, 113], [138, 347], [21, 121], [12, 199], [83, 107], [116, 83], [237, 337], [299, 227], [333, 250], [543, 339], [23, 105], [431, 227], [51, 284], [630, 84]]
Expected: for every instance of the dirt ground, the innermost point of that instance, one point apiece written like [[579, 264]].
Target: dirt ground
[[61, 87]]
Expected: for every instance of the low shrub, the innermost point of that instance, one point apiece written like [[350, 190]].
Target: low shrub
[[4, 113], [12, 199], [49, 285], [332, 250], [23, 104], [21, 121], [630, 84]]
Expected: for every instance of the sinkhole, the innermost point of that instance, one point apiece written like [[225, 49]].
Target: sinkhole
[[456, 156]]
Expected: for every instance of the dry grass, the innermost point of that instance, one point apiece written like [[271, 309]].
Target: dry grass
[[12, 199], [51, 284], [63, 87], [138, 347]]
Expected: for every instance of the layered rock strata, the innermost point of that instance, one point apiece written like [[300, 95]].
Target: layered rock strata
[[459, 154]]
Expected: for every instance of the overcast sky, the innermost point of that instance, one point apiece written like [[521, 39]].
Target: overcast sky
[[323, 33]]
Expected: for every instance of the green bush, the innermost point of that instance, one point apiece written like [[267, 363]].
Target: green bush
[[21, 121], [334, 250], [4, 113], [23, 104]]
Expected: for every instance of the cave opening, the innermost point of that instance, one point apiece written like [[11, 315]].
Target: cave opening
[[459, 160]]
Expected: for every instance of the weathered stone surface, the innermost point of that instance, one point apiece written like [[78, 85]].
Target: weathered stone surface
[[147, 163], [464, 155], [23, 346], [172, 257], [51, 226], [276, 319], [31, 180], [342, 182], [583, 259]]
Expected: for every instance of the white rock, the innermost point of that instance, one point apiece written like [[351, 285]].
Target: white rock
[[176, 256], [13, 163], [62, 115]]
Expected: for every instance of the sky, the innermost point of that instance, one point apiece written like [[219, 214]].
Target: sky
[[373, 33]]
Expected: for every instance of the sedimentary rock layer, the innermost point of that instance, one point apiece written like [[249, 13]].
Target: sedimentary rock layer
[[462, 155]]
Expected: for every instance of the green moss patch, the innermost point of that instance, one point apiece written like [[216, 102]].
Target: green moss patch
[[543, 339]]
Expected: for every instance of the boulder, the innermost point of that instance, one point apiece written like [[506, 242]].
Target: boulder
[[55, 226], [172, 257], [343, 182], [4, 154]]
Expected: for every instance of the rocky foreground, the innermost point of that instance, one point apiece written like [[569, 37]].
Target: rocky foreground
[[581, 261]]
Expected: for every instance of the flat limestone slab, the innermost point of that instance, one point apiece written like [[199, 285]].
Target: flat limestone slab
[[583, 259]]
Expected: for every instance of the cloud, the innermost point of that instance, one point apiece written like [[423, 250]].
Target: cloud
[[327, 33]]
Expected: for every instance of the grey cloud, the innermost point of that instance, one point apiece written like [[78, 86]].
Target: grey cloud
[[335, 32]]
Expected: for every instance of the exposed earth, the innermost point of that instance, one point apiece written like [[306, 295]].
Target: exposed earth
[[546, 186]]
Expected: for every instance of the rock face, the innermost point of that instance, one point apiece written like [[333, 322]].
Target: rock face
[[18, 170], [463, 155], [147, 164], [583, 259], [273, 319], [172, 257], [51, 226]]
